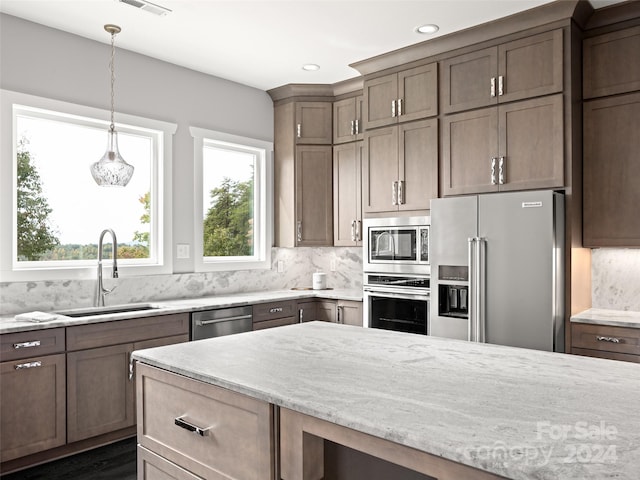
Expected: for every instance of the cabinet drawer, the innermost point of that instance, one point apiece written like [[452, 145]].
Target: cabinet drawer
[[276, 322], [605, 338], [236, 438], [28, 344], [154, 467], [268, 311], [126, 331], [625, 357]]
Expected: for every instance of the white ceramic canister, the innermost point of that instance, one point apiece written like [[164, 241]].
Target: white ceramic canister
[[319, 281]]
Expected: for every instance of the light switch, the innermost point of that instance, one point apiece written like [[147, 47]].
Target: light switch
[[182, 250], [280, 266], [333, 265]]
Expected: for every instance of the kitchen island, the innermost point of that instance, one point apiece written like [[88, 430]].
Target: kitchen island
[[446, 408]]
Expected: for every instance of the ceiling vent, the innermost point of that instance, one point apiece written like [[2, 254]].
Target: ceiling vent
[[147, 6]]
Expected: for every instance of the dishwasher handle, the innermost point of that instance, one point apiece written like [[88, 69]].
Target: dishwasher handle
[[201, 323]]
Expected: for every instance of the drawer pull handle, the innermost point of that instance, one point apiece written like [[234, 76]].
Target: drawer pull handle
[[22, 366], [275, 310], [35, 343], [607, 339], [182, 423]]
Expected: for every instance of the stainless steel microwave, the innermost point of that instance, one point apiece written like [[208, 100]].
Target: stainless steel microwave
[[397, 244]]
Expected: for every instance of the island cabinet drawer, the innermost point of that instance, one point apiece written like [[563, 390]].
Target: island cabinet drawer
[[269, 311], [206, 430], [15, 346], [126, 331], [154, 467], [605, 338]]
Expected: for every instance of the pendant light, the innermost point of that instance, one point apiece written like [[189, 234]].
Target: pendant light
[[111, 170]]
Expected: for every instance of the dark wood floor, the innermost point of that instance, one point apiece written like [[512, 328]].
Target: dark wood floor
[[113, 462]]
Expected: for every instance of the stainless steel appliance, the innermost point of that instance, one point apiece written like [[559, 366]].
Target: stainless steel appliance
[[396, 245], [497, 269], [397, 302], [221, 321]]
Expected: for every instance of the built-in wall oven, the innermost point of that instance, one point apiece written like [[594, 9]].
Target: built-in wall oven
[[397, 302]]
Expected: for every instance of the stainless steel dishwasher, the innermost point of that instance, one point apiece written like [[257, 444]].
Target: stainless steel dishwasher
[[221, 321]]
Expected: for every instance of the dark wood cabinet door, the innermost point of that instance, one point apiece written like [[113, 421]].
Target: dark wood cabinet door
[[418, 164], [32, 405], [379, 96], [531, 143], [307, 311], [347, 194], [612, 63], [349, 313], [100, 394], [418, 93], [530, 67], [326, 310], [469, 143], [611, 171], [466, 80], [314, 123], [347, 120], [314, 196], [379, 170]]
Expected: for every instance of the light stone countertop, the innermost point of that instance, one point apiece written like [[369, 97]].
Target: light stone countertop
[[8, 323], [520, 413], [601, 316]]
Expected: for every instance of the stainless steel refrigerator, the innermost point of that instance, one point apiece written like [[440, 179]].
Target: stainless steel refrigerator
[[497, 269]]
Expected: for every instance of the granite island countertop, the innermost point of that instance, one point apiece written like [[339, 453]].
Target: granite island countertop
[[520, 413], [615, 318], [8, 323]]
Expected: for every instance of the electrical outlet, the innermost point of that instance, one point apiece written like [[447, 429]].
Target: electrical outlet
[[182, 250], [280, 266], [332, 267]]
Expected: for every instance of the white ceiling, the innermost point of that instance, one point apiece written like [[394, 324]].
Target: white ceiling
[[263, 43]]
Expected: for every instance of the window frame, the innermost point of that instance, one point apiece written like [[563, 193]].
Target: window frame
[[263, 211], [12, 104]]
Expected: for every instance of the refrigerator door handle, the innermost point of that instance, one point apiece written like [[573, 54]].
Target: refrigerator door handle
[[481, 289], [472, 291]]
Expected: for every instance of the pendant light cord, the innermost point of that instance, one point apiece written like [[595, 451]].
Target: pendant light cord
[[113, 78]]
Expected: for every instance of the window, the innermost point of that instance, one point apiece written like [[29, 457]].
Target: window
[[58, 211], [233, 185]]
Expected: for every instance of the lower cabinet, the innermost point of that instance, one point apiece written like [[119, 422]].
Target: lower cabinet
[[32, 405], [349, 313], [605, 341], [201, 430], [335, 311], [274, 314]]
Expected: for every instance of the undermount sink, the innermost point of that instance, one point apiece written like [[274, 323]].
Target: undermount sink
[[93, 311]]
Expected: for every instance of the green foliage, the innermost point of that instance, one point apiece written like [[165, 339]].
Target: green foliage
[[36, 236], [145, 219], [228, 226]]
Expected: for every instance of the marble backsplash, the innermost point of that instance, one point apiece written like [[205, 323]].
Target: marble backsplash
[[299, 265], [615, 279]]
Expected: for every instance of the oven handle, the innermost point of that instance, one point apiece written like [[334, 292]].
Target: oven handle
[[396, 293]]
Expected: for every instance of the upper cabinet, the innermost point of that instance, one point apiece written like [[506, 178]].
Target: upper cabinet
[[400, 167], [401, 97], [347, 194], [313, 123], [347, 120], [517, 146], [524, 68], [611, 64]]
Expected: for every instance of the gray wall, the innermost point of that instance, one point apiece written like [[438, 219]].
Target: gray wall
[[42, 61]]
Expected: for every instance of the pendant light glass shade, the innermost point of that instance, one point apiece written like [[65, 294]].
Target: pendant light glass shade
[[112, 170]]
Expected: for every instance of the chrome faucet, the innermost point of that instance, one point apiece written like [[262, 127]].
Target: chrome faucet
[[102, 292]]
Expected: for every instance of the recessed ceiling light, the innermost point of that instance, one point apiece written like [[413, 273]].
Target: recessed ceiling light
[[427, 29], [311, 67]]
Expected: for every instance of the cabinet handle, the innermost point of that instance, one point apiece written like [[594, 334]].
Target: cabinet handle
[[394, 193], [358, 231], [353, 230], [340, 313], [401, 200], [502, 170], [299, 130], [300, 315], [130, 367], [182, 423], [357, 125], [22, 366], [393, 108], [34, 343], [500, 85], [493, 86], [493, 170], [399, 106], [275, 310], [353, 127], [299, 230], [607, 339]]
